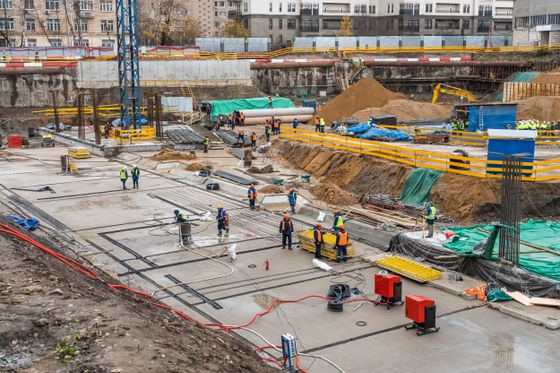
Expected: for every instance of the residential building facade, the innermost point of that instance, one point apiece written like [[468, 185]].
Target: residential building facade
[[282, 20], [536, 22], [222, 10], [56, 23]]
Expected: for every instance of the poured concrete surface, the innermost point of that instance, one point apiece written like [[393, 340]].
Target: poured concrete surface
[[130, 235]]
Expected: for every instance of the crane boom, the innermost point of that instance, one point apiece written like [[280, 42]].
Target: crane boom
[[450, 90]]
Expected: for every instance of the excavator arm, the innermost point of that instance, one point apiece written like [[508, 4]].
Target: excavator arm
[[450, 90]]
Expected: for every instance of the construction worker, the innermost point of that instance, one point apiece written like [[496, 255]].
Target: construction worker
[[180, 216], [295, 123], [292, 199], [322, 125], [275, 127], [318, 239], [230, 122], [37, 58], [123, 177], [223, 220], [241, 137], [135, 172], [252, 195], [341, 244], [242, 119], [430, 217], [267, 131], [254, 140], [279, 125], [337, 220], [206, 143], [286, 228], [317, 124], [270, 102]]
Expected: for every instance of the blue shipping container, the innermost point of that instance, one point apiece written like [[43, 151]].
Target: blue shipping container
[[484, 117]]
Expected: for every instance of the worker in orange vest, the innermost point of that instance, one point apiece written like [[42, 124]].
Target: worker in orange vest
[[275, 127], [242, 119], [254, 140], [286, 228], [341, 244], [252, 195], [318, 239]]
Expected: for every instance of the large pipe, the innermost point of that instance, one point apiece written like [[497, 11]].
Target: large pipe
[[286, 119], [448, 63], [278, 112], [290, 65]]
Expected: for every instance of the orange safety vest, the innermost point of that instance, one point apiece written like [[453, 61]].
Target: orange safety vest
[[317, 121], [343, 238], [319, 236], [275, 124], [254, 138], [251, 195], [284, 221]]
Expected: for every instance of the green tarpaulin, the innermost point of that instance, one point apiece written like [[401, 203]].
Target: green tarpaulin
[[534, 232], [226, 107], [418, 186]]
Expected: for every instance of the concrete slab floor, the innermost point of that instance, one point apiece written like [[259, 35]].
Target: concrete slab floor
[[126, 234]]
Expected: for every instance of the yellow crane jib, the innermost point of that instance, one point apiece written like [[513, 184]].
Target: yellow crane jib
[[450, 90]]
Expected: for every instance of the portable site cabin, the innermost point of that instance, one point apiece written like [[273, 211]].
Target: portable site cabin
[[481, 117]]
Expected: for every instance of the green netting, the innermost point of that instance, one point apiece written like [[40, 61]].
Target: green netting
[[418, 186], [539, 233], [524, 77], [226, 107]]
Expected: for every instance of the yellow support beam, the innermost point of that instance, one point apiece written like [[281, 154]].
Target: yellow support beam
[[409, 269]]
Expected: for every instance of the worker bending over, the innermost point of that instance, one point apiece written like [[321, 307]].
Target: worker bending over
[[341, 244], [430, 217], [252, 195], [318, 239], [337, 220], [223, 220], [123, 177], [286, 228], [180, 216], [241, 137], [292, 199]]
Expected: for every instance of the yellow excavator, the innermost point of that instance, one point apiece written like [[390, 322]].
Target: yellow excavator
[[450, 90]]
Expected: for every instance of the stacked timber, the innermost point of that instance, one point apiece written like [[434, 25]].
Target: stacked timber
[[307, 243]]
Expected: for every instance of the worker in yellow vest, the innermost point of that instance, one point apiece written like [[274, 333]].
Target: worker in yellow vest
[[430, 216], [341, 245], [123, 175], [322, 125]]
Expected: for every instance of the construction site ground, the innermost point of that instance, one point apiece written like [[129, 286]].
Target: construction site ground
[[130, 235]]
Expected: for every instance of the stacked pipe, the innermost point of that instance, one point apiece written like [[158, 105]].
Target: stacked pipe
[[287, 115]]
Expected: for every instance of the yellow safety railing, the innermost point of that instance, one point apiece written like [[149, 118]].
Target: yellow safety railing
[[143, 133], [469, 166]]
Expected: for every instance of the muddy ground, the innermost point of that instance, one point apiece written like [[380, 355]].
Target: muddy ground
[[464, 199], [53, 319]]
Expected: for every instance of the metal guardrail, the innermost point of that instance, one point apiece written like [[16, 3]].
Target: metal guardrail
[[547, 170]]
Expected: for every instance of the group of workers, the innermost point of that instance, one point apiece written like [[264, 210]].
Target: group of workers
[[319, 124], [135, 173], [237, 118]]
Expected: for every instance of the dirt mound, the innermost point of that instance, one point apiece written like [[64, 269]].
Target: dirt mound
[[271, 189], [263, 170], [366, 93], [172, 155], [542, 108], [333, 194], [406, 110], [195, 166], [547, 78], [465, 199]]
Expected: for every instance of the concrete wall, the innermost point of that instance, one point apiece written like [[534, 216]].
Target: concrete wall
[[294, 81], [103, 74]]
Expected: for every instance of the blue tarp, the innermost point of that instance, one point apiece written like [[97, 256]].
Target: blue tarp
[[359, 128], [28, 224], [376, 132]]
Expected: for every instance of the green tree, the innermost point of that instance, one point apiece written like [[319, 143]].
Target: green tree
[[234, 29]]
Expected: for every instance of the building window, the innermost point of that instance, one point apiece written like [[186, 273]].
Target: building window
[[280, 24], [447, 24], [106, 5], [30, 24], [291, 7], [280, 7], [291, 24], [107, 43], [245, 7], [81, 25], [522, 22], [428, 24], [6, 4], [537, 21], [409, 25], [56, 42], [6, 23], [86, 5], [429, 8], [409, 8], [52, 4], [554, 19], [466, 25], [53, 24], [485, 10], [466, 8], [270, 7], [107, 26], [309, 25], [270, 24], [82, 42], [483, 26], [502, 26], [29, 4], [372, 9], [31, 43]]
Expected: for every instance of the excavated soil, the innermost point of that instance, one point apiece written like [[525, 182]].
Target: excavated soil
[[333, 194], [543, 108], [171, 155], [406, 110], [366, 93], [195, 166], [547, 78], [464, 199], [271, 189]]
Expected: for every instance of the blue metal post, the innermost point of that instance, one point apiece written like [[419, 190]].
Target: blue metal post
[[128, 64]]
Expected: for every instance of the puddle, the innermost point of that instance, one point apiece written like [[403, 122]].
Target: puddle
[[503, 347]]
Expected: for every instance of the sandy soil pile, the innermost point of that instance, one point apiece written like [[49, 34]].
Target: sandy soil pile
[[262, 170], [195, 166], [542, 108], [406, 110], [171, 155], [364, 94], [547, 78], [271, 189], [333, 194]]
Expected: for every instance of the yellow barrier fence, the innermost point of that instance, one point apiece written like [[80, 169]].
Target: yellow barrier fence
[[533, 171]]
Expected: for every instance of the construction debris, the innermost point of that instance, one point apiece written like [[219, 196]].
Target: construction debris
[[173, 155], [328, 250]]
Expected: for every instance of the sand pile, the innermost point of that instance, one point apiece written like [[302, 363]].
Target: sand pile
[[263, 170], [406, 110], [547, 78], [543, 108], [333, 194], [271, 189], [172, 155], [195, 166], [364, 94]]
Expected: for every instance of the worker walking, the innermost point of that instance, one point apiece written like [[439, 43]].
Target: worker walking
[[317, 124], [295, 123], [252, 195], [254, 140], [337, 220], [270, 102], [223, 220], [322, 125], [123, 177], [267, 131], [292, 199], [318, 239], [430, 217], [135, 172], [341, 245], [206, 143], [286, 228], [180, 216]]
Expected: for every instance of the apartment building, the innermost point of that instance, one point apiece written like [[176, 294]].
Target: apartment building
[[222, 11], [57, 23], [536, 22], [282, 20]]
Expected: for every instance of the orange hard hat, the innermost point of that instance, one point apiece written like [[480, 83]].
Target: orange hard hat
[[341, 227], [286, 215], [319, 225]]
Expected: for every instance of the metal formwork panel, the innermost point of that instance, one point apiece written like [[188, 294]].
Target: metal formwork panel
[[303, 42], [453, 41], [475, 41], [433, 41], [325, 42], [209, 44], [411, 41], [347, 42], [234, 45], [389, 41], [368, 41], [257, 44]]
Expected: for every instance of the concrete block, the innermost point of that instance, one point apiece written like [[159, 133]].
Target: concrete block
[[549, 317]]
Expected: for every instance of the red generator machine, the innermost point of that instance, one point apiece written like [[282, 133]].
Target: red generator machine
[[422, 311], [388, 289]]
